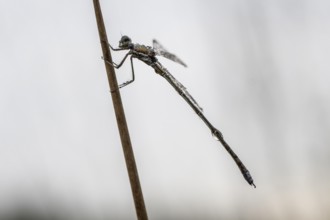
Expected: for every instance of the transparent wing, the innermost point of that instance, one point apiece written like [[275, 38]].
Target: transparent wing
[[160, 50]]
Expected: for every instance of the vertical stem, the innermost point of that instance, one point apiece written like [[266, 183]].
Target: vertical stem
[[121, 121]]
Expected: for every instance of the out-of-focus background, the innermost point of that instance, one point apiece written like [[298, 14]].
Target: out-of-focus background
[[260, 69]]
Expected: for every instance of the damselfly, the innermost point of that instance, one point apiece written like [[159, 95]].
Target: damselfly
[[148, 55]]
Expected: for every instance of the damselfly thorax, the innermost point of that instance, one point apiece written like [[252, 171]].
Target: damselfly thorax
[[149, 51]]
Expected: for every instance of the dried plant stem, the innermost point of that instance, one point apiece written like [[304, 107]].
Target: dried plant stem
[[121, 120]]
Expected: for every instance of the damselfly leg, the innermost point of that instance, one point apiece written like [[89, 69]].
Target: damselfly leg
[[117, 66], [133, 76], [114, 49]]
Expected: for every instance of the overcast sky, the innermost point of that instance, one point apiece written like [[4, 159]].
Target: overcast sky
[[260, 70]]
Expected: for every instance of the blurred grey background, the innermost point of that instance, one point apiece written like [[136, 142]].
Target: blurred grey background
[[259, 68]]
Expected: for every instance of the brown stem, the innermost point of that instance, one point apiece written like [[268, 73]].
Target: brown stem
[[121, 120]]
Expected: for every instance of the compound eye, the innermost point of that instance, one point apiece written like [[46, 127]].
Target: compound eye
[[125, 39]]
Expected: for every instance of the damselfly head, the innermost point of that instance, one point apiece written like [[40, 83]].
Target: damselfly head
[[125, 42]]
